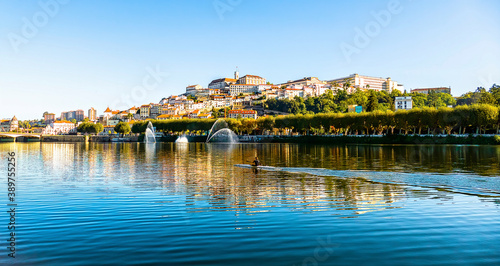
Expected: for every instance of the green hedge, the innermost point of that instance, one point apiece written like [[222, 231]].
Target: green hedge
[[480, 118]]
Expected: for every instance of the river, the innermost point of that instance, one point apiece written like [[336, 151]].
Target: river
[[197, 203]]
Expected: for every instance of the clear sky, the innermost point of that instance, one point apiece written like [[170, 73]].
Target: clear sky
[[67, 55]]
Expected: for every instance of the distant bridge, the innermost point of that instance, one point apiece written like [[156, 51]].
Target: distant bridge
[[16, 135]]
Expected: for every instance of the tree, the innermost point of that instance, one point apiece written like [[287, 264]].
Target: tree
[[248, 125], [495, 92], [130, 116], [122, 128], [90, 128], [266, 123], [234, 125], [446, 120], [487, 98], [440, 100], [372, 103], [24, 124], [73, 121], [419, 99], [98, 128], [139, 127], [484, 115], [347, 84]]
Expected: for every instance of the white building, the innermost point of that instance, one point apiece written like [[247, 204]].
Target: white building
[[237, 89], [365, 82], [155, 110], [169, 110], [251, 79], [290, 93], [242, 114], [307, 81], [193, 89], [403, 103], [7, 125], [218, 101], [145, 111], [60, 127], [193, 106]]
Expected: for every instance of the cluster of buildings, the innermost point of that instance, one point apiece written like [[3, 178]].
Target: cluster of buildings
[[240, 94], [7, 125]]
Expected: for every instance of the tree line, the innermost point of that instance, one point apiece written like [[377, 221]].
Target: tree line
[[465, 119], [370, 100]]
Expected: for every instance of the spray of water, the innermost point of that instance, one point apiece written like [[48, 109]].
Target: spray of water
[[150, 134], [220, 132]]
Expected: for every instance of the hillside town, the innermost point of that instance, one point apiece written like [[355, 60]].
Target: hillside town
[[237, 97]]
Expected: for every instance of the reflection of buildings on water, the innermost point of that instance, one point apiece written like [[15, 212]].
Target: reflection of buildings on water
[[59, 158], [79, 161], [206, 174]]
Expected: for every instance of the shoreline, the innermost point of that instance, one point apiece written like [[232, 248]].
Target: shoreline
[[311, 139]]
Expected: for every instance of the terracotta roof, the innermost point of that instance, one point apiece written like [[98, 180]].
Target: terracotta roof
[[426, 89], [223, 79], [108, 110], [242, 112], [253, 85], [252, 76]]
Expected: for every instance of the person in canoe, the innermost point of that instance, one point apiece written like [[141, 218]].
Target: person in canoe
[[256, 162]]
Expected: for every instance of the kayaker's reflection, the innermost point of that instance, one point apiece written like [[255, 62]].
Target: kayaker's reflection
[[255, 170]]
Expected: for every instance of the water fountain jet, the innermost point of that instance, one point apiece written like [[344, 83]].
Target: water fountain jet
[[150, 134], [221, 133]]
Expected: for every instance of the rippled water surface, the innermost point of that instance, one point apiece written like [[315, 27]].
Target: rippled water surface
[[197, 203]]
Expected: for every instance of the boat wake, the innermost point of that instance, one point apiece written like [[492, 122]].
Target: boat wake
[[487, 186]]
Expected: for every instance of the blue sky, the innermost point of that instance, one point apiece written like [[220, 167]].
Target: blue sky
[[82, 54]]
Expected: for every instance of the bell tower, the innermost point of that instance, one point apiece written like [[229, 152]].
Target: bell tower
[[236, 74]]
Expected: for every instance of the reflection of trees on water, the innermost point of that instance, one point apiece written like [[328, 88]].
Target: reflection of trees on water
[[483, 160], [205, 173]]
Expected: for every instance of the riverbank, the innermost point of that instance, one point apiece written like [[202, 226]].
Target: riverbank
[[316, 139], [385, 139], [70, 138]]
